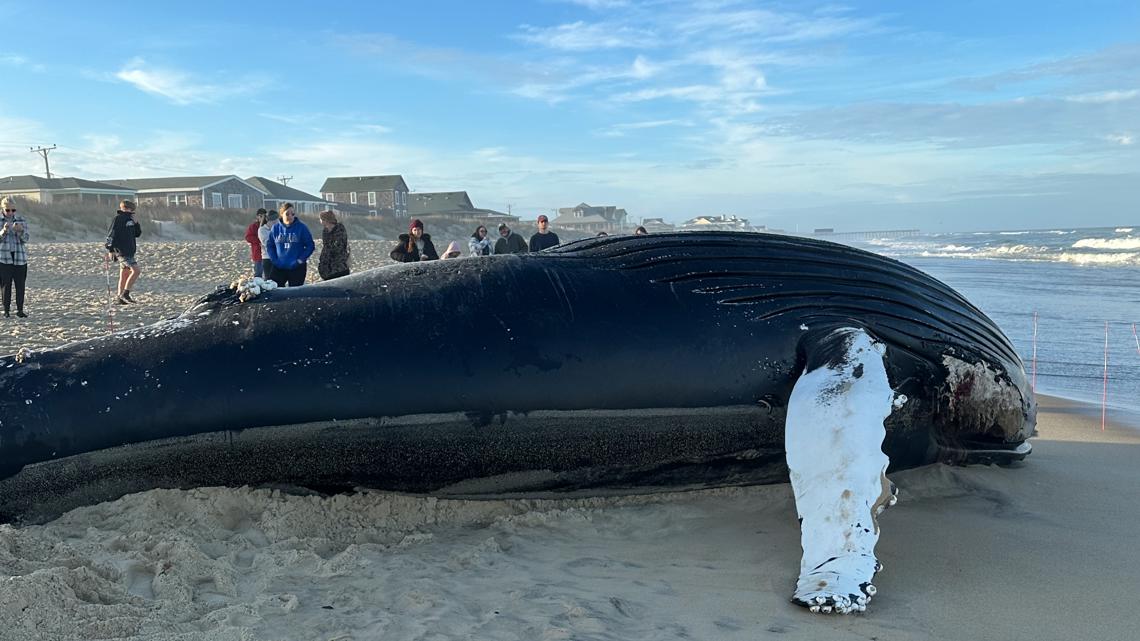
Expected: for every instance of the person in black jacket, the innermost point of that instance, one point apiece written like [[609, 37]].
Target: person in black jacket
[[415, 245], [509, 242], [544, 238], [121, 247]]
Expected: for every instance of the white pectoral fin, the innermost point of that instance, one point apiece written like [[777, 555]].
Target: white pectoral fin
[[834, 436]]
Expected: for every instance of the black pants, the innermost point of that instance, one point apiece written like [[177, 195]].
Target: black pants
[[13, 274], [267, 269], [292, 277]]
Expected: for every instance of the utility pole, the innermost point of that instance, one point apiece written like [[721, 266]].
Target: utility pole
[[43, 151], [284, 180]]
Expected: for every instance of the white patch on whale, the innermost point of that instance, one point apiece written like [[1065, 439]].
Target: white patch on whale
[[834, 435]]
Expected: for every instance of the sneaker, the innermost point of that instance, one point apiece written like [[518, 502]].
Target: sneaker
[[127, 297], [7, 314], [21, 314], [121, 301]]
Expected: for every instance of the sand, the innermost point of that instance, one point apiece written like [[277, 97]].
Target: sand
[[1041, 550]]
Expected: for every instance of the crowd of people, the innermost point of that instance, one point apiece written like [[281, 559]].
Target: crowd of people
[[280, 246]]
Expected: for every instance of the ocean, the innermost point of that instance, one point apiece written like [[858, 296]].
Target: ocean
[[1074, 281]]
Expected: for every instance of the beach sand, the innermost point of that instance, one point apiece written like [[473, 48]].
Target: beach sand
[[1040, 550]]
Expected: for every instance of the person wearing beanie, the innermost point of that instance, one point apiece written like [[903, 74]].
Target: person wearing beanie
[[415, 245], [509, 242], [544, 238], [261, 219], [289, 247], [121, 246], [13, 256]]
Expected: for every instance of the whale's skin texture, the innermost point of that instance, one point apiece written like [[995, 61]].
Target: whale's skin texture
[[610, 364]]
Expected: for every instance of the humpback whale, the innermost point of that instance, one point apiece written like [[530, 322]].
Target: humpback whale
[[609, 364]]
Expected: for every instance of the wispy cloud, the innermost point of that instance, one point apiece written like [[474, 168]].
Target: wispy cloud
[[1105, 96], [181, 87], [586, 36], [598, 5], [621, 129]]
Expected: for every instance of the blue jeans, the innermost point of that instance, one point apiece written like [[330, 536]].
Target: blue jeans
[[258, 270]]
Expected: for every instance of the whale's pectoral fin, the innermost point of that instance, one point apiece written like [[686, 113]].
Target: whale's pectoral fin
[[834, 437]]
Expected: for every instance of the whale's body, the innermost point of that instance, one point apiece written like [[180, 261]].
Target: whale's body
[[625, 362]]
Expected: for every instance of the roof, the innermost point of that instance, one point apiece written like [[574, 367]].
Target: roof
[[438, 202], [571, 220], [609, 212], [278, 191], [23, 183], [342, 184], [176, 183]]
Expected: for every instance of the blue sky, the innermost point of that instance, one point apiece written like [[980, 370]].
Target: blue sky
[[936, 115]]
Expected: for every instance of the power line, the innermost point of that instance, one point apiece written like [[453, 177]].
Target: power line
[[43, 151], [284, 180]]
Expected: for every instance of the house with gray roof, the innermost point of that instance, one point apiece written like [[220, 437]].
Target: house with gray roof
[[453, 205], [382, 195], [657, 225], [279, 194], [64, 190], [585, 218], [197, 192]]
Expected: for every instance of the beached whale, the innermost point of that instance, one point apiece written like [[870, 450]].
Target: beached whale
[[620, 363]]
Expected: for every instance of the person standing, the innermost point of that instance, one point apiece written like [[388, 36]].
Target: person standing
[[255, 253], [121, 246], [289, 246], [415, 245], [263, 236], [479, 243], [334, 260], [13, 257], [509, 242], [544, 238]]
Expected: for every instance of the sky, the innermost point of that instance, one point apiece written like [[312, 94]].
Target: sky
[[795, 115]]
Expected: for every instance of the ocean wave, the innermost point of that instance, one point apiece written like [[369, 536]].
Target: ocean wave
[[1108, 243], [1115, 258], [1123, 230]]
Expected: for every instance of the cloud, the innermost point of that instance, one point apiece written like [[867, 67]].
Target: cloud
[[622, 129], [180, 87], [584, 36], [1105, 96], [599, 5]]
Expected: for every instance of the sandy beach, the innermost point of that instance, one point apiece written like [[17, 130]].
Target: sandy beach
[[1040, 550]]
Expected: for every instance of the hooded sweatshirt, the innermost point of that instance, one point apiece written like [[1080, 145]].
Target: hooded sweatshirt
[[289, 245]]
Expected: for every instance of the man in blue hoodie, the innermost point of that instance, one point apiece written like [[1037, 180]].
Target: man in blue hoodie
[[290, 244]]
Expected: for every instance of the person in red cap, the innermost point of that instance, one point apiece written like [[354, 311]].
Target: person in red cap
[[545, 238], [415, 245]]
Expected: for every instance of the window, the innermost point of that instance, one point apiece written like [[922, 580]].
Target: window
[[352, 197], [371, 199], [330, 197], [174, 200], [234, 201], [216, 199], [403, 197], [371, 212]]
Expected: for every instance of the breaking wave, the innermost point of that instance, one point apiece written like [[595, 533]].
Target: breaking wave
[[1108, 243]]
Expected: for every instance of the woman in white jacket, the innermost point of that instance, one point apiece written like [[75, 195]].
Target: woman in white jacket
[[479, 244]]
